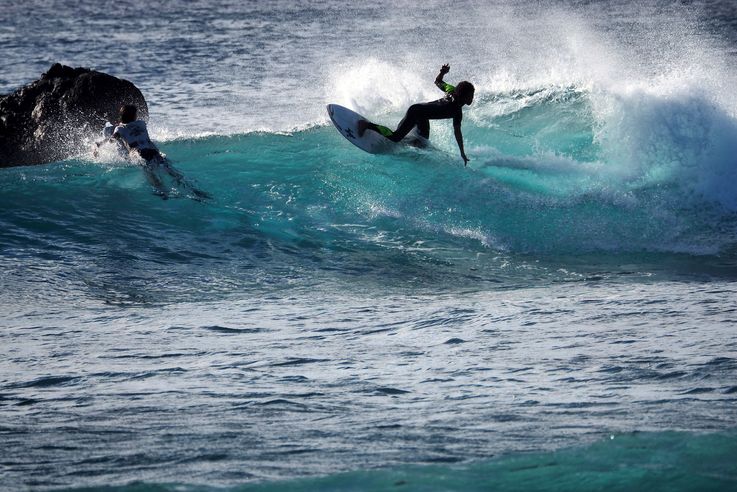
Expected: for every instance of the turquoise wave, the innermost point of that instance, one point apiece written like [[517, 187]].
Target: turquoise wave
[[554, 192], [668, 461]]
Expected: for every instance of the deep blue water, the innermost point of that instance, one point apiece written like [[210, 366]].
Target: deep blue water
[[559, 315]]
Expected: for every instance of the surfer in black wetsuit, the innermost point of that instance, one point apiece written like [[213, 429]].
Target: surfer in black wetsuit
[[419, 115]]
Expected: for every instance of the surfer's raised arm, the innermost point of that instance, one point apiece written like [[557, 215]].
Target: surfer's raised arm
[[447, 88]]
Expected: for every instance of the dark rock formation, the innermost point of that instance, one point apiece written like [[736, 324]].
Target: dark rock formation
[[56, 116]]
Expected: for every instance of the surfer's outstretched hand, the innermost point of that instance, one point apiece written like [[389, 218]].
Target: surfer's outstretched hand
[[445, 69], [465, 159]]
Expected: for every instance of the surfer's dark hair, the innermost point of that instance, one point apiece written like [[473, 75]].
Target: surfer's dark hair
[[128, 113], [465, 91]]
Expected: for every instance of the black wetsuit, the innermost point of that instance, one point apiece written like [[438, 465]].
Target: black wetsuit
[[150, 155], [419, 115]]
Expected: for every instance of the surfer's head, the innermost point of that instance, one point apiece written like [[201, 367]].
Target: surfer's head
[[464, 92], [128, 113]]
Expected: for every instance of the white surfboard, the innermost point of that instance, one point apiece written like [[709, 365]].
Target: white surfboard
[[346, 121]]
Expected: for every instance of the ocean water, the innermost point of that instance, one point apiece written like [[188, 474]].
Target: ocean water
[[559, 315]]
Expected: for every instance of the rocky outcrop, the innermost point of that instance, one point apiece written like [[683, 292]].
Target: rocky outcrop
[[55, 117]]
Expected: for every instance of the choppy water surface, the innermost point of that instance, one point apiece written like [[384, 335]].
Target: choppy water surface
[[561, 313], [311, 383]]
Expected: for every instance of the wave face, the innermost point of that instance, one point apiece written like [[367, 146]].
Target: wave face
[[588, 150], [555, 183]]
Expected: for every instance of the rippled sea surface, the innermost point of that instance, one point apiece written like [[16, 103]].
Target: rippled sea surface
[[311, 383], [559, 315]]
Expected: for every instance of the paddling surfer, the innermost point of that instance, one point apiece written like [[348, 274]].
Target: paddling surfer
[[132, 134]]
